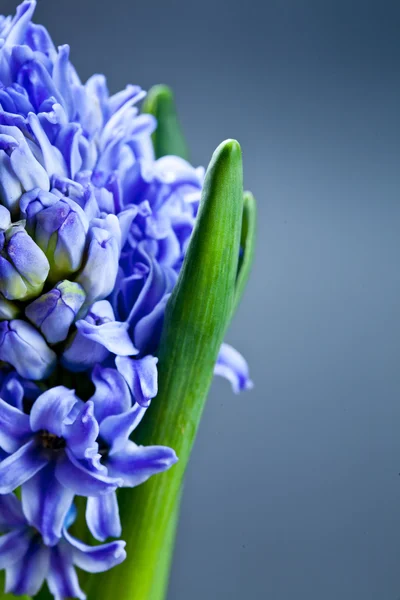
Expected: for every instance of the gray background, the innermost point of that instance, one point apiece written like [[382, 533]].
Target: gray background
[[293, 491]]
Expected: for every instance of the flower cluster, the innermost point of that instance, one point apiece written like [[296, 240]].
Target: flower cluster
[[93, 233]]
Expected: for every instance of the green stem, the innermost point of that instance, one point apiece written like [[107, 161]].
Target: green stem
[[196, 319]]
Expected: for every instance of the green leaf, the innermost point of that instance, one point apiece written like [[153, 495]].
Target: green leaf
[[196, 319], [247, 244], [168, 137]]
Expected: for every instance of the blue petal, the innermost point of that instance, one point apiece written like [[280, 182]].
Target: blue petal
[[98, 558], [141, 377], [102, 516], [14, 427], [16, 33], [27, 575], [13, 546], [112, 394], [81, 435], [114, 336], [46, 503], [116, 429], [20, 466], [83, 482], [62, 578], [51, 409], [231, 365], [135, 464]]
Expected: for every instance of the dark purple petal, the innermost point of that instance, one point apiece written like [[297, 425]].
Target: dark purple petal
[[135, 464], [46, 503], [20, 466], [11, 514], [141, 377], [231, 365], [81, 435], [28, 574], [62, 578], [98, 558], [102, 516], [51, 409], [116, 429], [112, 394], [15, 429], [12, 391], [83, 482]]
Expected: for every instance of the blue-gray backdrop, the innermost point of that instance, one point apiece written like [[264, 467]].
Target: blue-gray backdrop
[[293, 491]]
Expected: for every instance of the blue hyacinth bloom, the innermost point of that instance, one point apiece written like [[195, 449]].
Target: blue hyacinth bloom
[[124, 459], [29, 562], [93, 234]]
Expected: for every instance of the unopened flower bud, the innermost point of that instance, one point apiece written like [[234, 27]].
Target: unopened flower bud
[[53, 313], [23, 347], [59, 227], [23, 265]]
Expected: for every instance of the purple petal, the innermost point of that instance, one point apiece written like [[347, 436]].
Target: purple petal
[[147, 331], [102, 516], [62, 578], [73, 475], [112, 394], [81, 435], [20, 466], [116, 429], [114, 336], [135, 464], [231, 365], [12, 391], [46, 503], [19, 25], [11, 514], [14, 427], [27, 575], [141, 377], [81, 353], [98, 558], [13, 546], [51, 409]]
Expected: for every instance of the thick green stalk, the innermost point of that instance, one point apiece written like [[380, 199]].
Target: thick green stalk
[[168, 137], [196, 319], [247, 245]]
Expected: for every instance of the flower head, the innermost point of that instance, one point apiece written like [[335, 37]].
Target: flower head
[[93, 234]]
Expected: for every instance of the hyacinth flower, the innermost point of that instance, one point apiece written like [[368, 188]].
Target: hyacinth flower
[[28, 561], [121, 265]]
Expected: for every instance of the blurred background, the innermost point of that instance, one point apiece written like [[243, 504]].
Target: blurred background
[[293, 491]]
